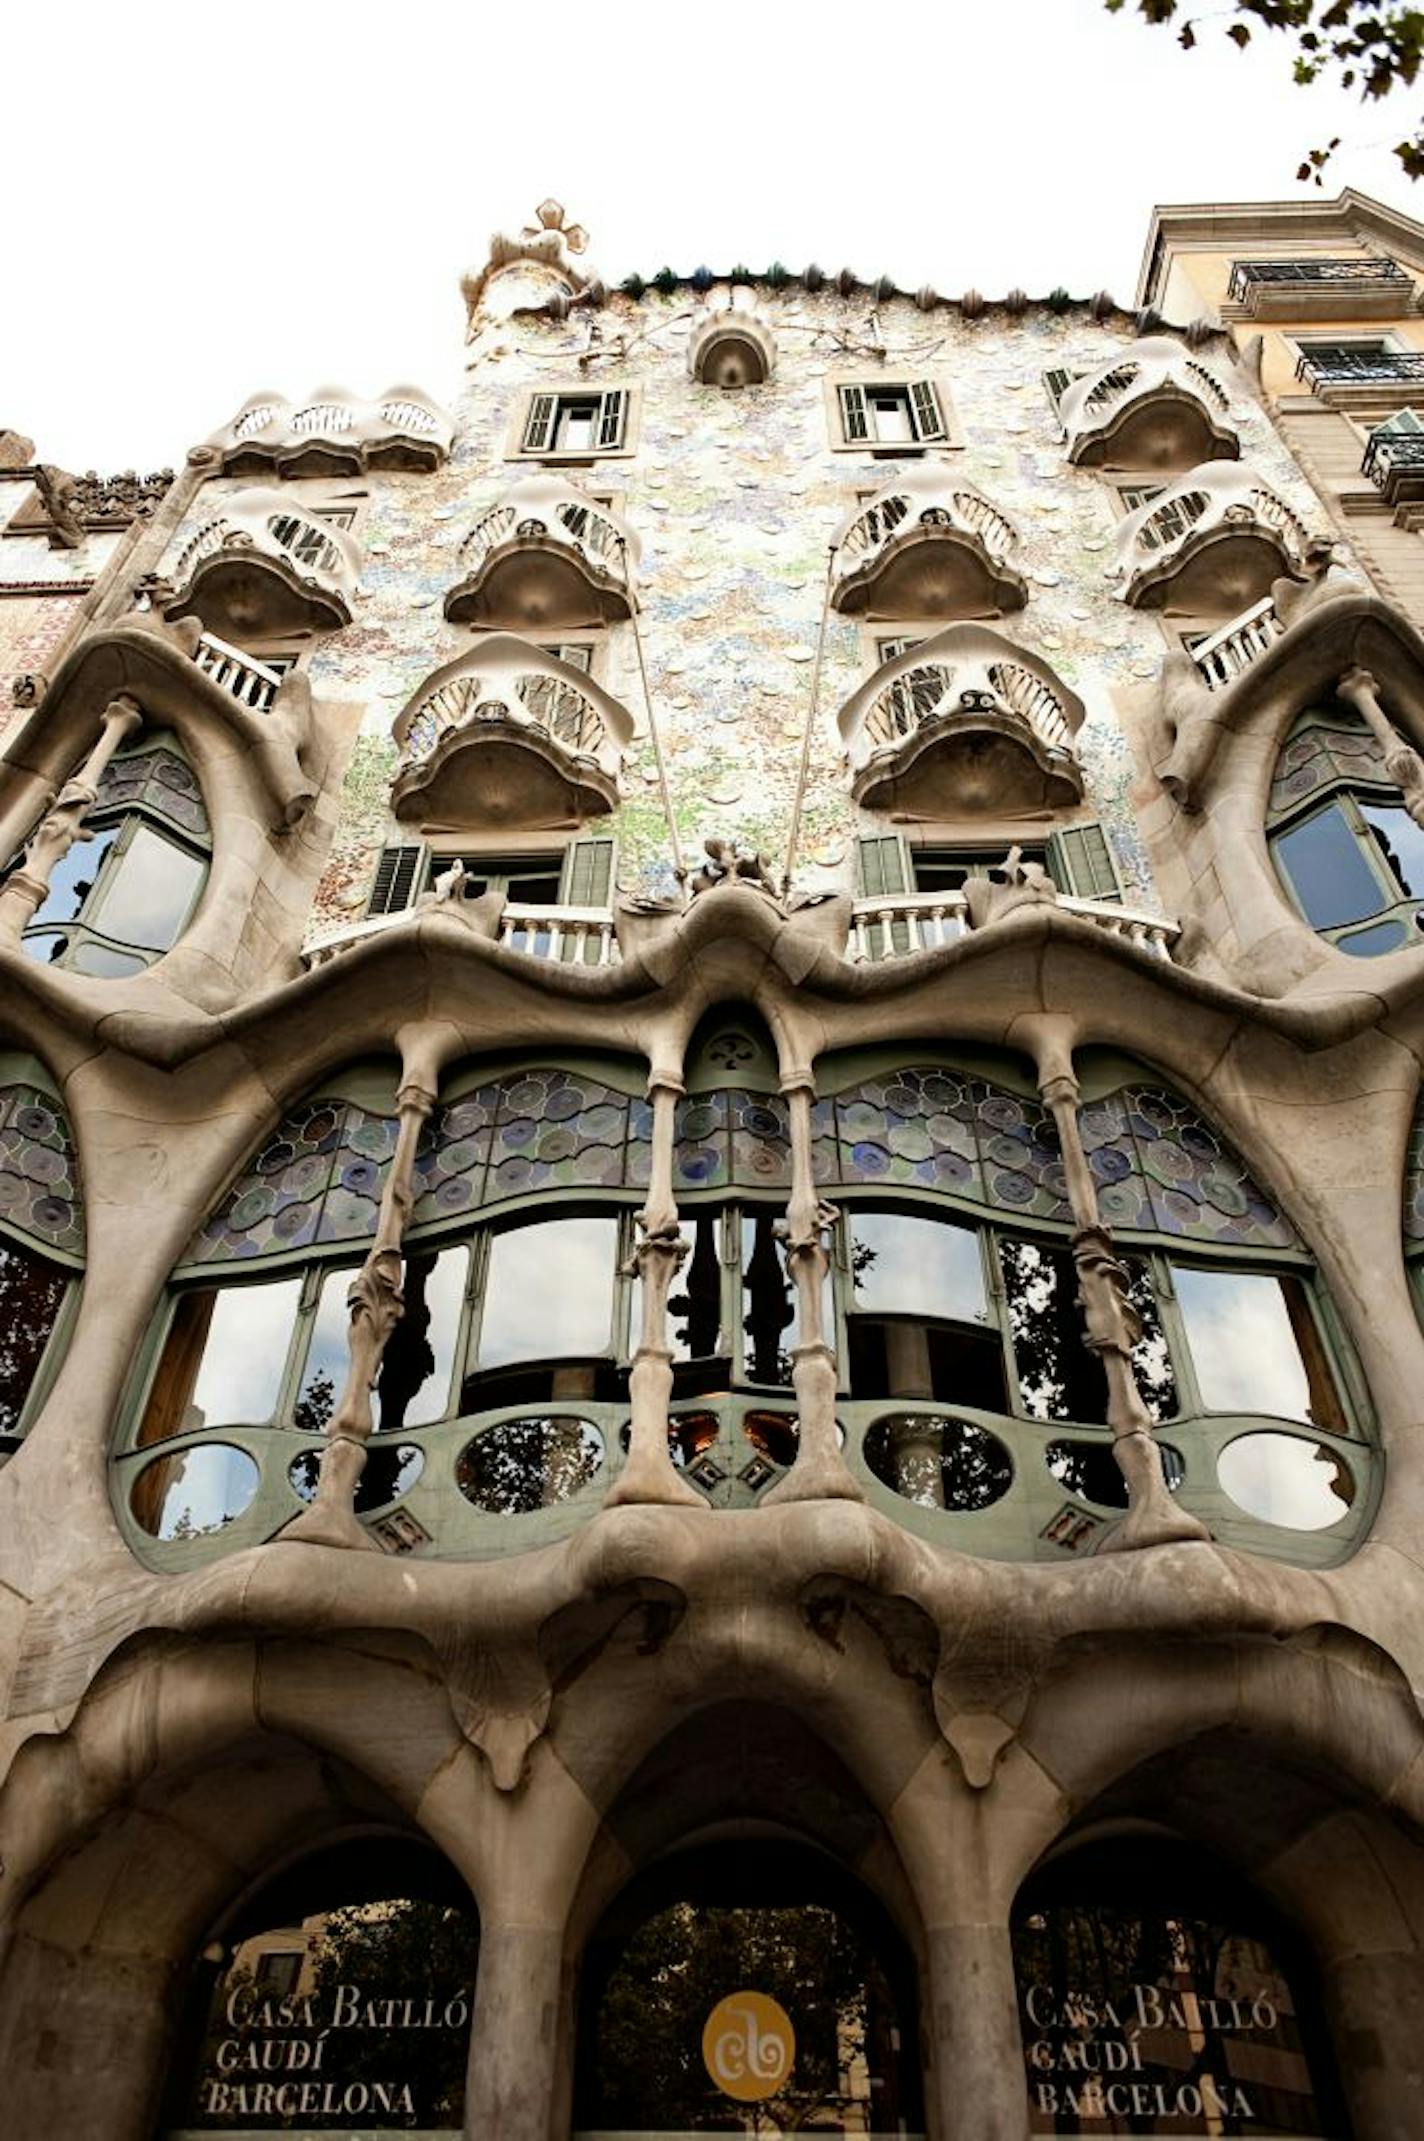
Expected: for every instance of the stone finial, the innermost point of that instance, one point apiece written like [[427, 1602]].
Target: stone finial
[[539, 262], [551, 218]]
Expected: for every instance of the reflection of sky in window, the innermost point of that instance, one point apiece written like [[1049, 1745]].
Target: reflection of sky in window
[[549, 1291], [206, 1488], [147, 900], [1285, 1480], [73, 877], [1242, 1344], [245, 1354], [906, 1266]]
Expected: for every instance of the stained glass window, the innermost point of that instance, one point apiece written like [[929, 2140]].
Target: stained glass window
[[539, 1129], [732, 1138], [317, 1179], [39, 1173], [934, 1128], [1160, 1169], [1414, 1180], [1318, 754]]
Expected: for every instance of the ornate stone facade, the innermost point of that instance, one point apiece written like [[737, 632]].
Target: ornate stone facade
[[621, 1322]]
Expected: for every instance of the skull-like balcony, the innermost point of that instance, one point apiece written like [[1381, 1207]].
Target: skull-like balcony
[[926, 546], [1154, 406], [508, 736], [545, 558], [262, 566], [966, 721], [335, 434], [1210, 545]]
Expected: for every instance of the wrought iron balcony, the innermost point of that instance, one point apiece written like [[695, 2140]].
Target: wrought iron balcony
[[1368, 287], [1347, 368], [263, 565], [335, 434], [1394, 463], [1212, 543], [545, 558], [508, 736], [967, 720], [1155, 406], [926, 546]]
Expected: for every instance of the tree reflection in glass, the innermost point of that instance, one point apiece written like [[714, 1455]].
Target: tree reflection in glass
[[413, 1387], [1059, 1378], [518, 1466], [32, 1290]]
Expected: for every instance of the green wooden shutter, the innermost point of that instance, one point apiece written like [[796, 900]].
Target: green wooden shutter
[[539, 424], [397, 877], [1057, 383], [1079, 863], [854, 422], [883, 868], [613, 418], [588, 874], [925, 411]]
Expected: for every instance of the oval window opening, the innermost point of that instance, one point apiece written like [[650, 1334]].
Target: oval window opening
[[1091, 1471], [939, 1462], [388, 1474], [194, 1491], [519, 1466], [1286, 1480]]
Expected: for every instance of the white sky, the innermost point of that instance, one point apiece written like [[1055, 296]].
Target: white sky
[[209, 199]]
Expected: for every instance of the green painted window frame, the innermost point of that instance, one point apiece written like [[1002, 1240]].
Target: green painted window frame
[[128, 818], [1396, 903]]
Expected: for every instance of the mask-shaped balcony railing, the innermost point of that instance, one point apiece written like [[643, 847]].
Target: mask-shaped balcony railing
[[1211, 544], [1153, 407], [508, 736], [927, 547], [263, 565], [545, 558], [967, 720], [335, 434]]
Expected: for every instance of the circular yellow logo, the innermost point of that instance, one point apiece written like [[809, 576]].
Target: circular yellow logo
[[748, 2046]]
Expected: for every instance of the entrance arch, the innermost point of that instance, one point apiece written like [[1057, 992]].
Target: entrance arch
[[337, 1993], [758, 1971]]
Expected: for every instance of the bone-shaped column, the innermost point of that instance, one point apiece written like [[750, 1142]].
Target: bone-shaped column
[[819, 1472], [376, 1304], [63, 823], [650, 1474], [1111, 1327], [1402, 762]]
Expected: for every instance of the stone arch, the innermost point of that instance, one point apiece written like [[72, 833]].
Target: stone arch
[[1271, 1827], [110, 1930], [738, 1800]]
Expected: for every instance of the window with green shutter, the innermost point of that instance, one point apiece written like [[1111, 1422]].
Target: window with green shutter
[[577, 424], [904, 413], [588, 874], [398, 876], [882, 866], [1080, 863]]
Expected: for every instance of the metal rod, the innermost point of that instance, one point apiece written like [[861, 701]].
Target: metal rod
[[676, 844], [806, 740]]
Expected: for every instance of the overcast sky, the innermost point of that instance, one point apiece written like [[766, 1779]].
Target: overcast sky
[[209, 199]]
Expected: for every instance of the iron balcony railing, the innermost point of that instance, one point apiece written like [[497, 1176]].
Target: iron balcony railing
[[1376, 269], [1389, 452], [1350, 368]]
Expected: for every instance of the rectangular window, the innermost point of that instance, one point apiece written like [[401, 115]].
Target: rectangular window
[[1136, 495], [944, 869], [528, 880], [548, 1292], [1255, 1346], [577, 424], [1056, 384], [889, 650], [884, 415]]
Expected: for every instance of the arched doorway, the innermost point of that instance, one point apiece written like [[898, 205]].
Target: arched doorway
[[752, 1977], [335, 1997], [1159, 1993]]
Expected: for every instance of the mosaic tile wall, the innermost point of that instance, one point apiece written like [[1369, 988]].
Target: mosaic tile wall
[[735, 497]]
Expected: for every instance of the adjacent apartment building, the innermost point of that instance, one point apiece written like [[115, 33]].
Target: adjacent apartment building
[[711, 1213]]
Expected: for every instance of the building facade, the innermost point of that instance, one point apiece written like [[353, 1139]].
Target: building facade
[[711, 1222]]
